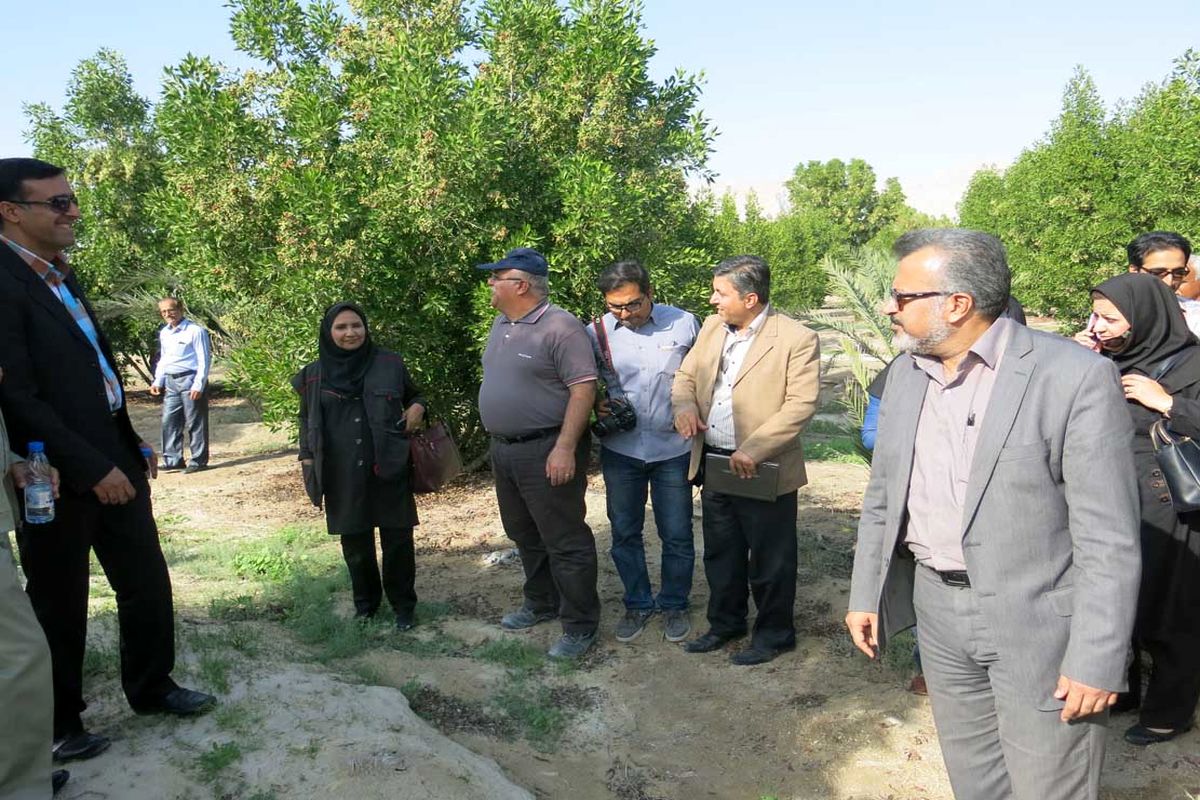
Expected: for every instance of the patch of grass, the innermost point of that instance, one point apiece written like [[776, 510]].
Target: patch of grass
[[263, 561], [244, 607], [819, 557], [214, 671], [531, 706], [838, 449], [826, 428], [240, 718], [101, 661], [430, 644], [897, 656], [263, 794], [307, 601], [427, 612], [214, 761], [511, 653], [367, 673], [171, 519]]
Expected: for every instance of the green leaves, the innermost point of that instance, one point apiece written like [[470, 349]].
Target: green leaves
[[1070, 203]]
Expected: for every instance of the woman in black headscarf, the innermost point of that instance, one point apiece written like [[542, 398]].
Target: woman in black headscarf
[[1137, 322], [357, 403]]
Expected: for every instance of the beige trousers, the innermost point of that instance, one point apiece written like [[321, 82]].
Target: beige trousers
[[26, 696]]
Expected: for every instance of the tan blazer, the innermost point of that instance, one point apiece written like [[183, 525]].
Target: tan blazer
[[8, 498], [774, 396]]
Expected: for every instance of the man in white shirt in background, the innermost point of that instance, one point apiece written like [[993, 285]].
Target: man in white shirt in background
[[185, 356]]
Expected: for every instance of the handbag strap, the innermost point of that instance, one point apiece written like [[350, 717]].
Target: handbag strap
[[1166, 365], [1162, 436]]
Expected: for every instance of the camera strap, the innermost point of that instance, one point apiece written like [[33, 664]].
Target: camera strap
[[602, 338]]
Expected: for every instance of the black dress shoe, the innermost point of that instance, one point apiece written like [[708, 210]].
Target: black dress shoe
[[708, 642], [1142, 736], [79, 746], [404, 623], [58, 779], [757, 654], [180, 702]]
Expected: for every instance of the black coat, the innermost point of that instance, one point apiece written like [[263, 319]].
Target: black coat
[[53, 390], [1170, 588], [388, 390]]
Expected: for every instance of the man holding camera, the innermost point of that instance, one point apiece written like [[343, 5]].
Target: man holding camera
[[639, 345]]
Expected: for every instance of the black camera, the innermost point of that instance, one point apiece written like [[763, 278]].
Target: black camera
[[621, 417]]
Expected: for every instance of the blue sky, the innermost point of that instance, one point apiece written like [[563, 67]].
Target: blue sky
[[924, 91]]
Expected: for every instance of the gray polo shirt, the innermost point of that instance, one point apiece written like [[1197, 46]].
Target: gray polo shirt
[[528, 366]]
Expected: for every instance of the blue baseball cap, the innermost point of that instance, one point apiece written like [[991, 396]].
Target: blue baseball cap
[[525, 259]]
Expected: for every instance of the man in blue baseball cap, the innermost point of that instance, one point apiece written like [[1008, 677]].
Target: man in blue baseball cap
[[539, 383]]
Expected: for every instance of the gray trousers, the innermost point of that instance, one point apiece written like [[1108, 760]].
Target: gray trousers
[[996, 743], [26, 693], [180, 410]]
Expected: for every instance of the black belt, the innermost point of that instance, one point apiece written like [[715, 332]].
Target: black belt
[[721, 451], [181, 374], [541, 433], [952, 577]]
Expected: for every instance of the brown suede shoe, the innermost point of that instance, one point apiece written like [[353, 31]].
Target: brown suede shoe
[[917, 686]]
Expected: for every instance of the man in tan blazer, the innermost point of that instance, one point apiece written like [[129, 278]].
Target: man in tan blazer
[[746, 390], [26, 699]]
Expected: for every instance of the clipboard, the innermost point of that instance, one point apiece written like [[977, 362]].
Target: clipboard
[[719, 477]]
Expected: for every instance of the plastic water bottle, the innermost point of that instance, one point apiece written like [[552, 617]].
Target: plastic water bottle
[[39, 493]]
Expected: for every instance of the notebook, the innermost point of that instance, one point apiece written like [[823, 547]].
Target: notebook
[[718, 477]]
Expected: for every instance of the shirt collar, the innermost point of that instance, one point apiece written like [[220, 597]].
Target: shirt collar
[[988, 349], [534, 314], [53, 272], [755, 325]]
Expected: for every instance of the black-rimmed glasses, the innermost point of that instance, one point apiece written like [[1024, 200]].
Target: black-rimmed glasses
[[633, 306], [60, 203], [1177, 272]]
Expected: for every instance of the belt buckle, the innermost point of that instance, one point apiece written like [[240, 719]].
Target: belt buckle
[[955, 578]]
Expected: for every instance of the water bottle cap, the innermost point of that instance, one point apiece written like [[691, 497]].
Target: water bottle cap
[[37, 447], [147, 451]]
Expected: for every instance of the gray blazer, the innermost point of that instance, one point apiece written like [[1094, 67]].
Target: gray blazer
[[1050, 523]]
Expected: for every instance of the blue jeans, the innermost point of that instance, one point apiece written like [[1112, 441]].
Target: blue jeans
[[626, 480]]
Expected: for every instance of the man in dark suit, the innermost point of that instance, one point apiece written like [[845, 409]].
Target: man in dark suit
[[61, 387]]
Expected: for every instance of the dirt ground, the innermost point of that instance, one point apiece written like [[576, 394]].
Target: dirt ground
[[647, 720]]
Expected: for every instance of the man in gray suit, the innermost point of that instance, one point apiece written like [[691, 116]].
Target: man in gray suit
[[1001, 518]]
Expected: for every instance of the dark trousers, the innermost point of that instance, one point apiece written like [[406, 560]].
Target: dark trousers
[[180, 411], [55, 559], [750, 548], [1174, 685], [558, 551], [399, 571]]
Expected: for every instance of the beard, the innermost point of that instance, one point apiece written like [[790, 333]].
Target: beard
[[939, 332]]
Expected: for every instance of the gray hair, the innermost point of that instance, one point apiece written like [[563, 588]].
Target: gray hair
[[975, 264], [747, 274], [538, 284]]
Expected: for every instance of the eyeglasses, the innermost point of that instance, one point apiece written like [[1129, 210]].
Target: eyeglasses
[[1177, 272], [495, 279], [633, 306], [900, 298], [61, 203]]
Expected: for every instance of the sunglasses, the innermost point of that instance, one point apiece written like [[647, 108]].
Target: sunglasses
[[60, 203], [901, 298]]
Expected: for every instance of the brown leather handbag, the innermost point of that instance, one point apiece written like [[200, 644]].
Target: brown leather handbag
[[435, 458]]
